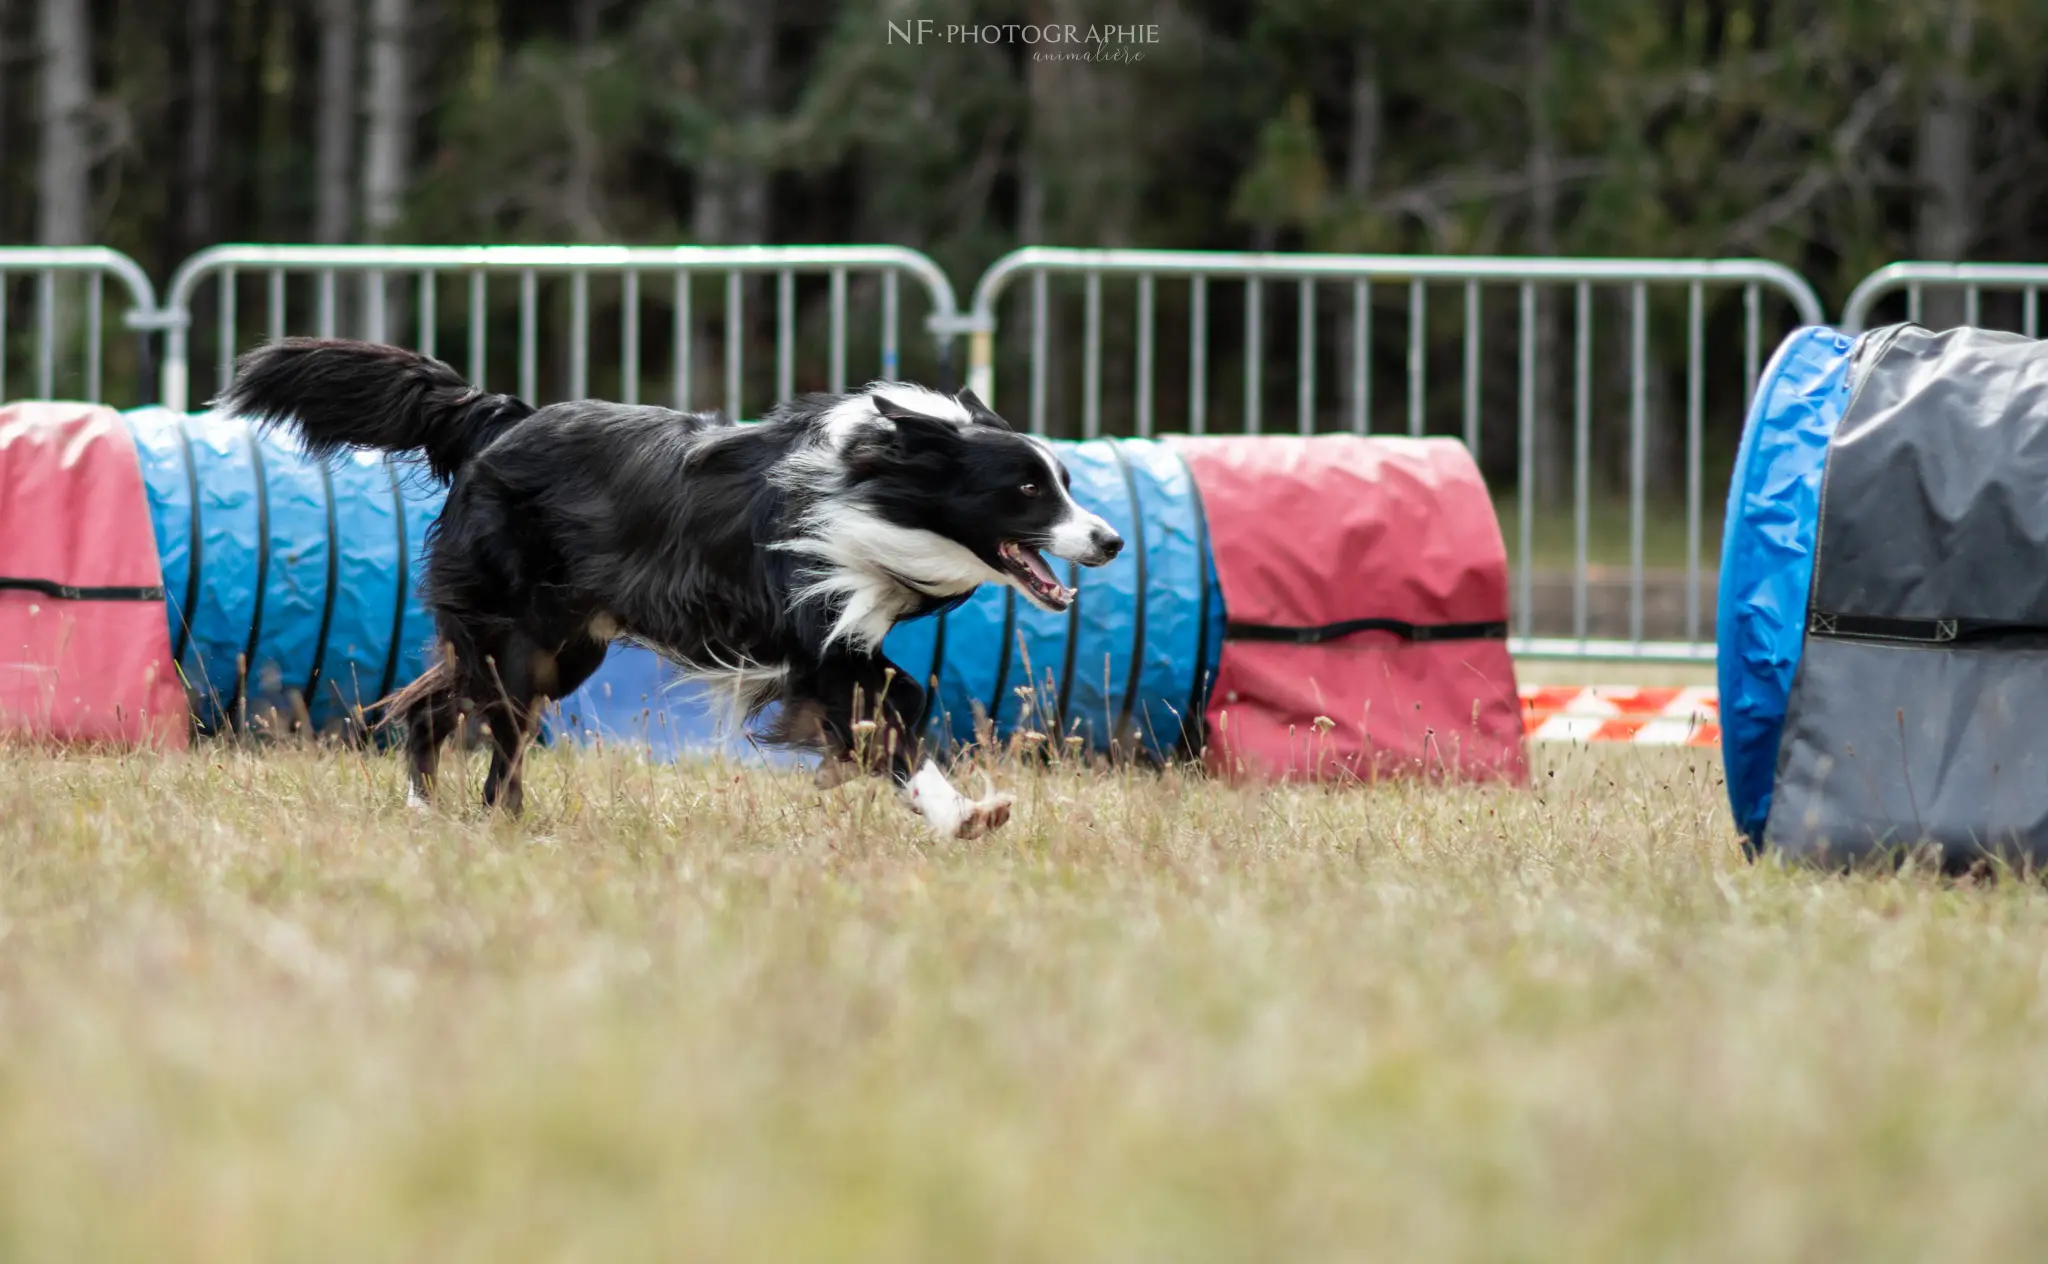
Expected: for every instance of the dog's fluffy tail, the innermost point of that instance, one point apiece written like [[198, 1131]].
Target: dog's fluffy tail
[[338, 394]]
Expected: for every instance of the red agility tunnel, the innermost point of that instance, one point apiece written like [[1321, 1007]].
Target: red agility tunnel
[[85, 649], [1365, 581]]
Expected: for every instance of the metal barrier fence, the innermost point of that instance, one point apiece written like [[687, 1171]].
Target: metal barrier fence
[[69, 352], [2015, 293], [1536, 405], [1625, 366], [403, 286]]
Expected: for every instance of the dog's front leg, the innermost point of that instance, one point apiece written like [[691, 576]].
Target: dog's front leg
[[876, 724], [838, 768], [949, 813]]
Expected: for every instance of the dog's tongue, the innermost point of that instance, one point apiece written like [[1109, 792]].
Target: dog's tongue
[[1035, 563], [1038, 575]]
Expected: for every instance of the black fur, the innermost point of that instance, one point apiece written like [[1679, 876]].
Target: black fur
[[716, 544], [341, 395]]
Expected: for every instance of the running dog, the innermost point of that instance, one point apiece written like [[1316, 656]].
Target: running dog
[[767, 560]]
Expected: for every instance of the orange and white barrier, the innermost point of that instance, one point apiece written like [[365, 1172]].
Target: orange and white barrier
[[1622, 713]]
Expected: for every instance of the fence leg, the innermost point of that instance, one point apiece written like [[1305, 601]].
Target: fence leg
[[147, 387]]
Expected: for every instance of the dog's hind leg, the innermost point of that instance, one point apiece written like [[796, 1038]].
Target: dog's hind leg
[[509, 711], [431, 709], [428, 724], [512, 727], [523, 679], [577, 662]]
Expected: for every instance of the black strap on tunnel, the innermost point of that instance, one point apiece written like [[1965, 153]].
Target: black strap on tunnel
[[192, 559], [327, 604], [1137, 542], [995, 701], [1418, 632], [248, 663], [404, 585], [1866, 627], [1073, 644], [76, 592], [1199, 693], [931, 678]]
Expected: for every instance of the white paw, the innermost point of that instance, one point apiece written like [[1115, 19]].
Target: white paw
[[985, 815], [950, 814], [417, 802]]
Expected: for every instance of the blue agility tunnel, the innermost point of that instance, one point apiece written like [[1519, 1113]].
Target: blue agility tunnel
[[306, 573], [1767, 552], [293, 583], [1884, 624], [289, 581]]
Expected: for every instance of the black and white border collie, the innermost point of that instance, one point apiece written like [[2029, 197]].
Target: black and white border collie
[[769, 560]]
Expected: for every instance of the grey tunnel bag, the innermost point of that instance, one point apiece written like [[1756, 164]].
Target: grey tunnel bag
[[1919, 710]]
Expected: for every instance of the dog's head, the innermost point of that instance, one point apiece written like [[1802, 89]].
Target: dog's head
[[949, 467]]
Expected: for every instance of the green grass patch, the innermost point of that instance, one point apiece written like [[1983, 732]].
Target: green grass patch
[[1554, 541], [252, 1009]]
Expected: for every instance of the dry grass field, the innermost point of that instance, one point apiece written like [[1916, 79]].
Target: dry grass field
[[253, 1010]]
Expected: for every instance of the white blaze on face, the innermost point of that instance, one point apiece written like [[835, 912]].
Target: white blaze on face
[[1075, 533]]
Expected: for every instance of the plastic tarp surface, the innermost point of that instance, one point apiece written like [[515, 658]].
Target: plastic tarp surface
[[1767, 556], [306, 572], [84, 653], [1919, 711], [637, 698], [1129, 661], [1313, 535]]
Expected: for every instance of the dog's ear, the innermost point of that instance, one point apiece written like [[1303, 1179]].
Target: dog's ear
[[906, 435], [982, 414], [868, 452], [900, 413], [917, 433]]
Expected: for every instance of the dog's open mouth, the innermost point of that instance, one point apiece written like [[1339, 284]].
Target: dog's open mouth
[[1028, 566]]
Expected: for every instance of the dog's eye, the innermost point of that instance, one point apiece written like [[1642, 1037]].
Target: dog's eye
[[1029, 489]]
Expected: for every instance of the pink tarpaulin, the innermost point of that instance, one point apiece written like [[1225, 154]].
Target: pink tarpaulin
[[1366, 583], [85, 651]]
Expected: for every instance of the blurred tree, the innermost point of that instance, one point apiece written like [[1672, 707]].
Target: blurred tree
[[64, 107], [337, 127], [387, 140], [1832, 135], [200, 188]]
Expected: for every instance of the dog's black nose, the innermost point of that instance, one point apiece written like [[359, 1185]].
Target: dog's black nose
[[1109, 542]]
